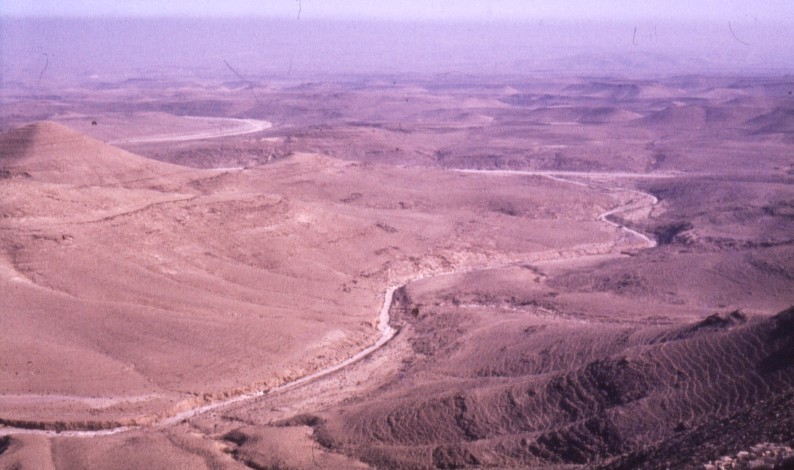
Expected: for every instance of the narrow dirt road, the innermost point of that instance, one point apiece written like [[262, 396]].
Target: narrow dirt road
[[563, 176], [241, 127], [386, 331]]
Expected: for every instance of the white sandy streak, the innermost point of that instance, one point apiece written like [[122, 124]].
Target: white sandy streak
[[243, 126], [387, 332], [561, 174], [603, 217]]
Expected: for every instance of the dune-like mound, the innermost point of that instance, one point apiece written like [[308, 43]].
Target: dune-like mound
[[779, 120], [676, 117], [731, 116], [555, 114], [608, 114], [567, 393], [50, 152], [612, 91]]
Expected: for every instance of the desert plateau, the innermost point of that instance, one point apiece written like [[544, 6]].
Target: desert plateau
[[219, 269]]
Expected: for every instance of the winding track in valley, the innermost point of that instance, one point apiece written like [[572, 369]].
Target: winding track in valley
[[563, 176], [242, 127], [386, 331]]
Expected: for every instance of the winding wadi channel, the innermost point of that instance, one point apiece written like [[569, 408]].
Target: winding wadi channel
[[241, 127], [387, 332]]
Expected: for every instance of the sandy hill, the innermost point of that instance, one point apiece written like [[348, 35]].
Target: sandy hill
[[53, 153], [612, 91], [583, 115], [608, 114], [779, 120], [522, 397], [552, 114], [733, 116], [677, 117]]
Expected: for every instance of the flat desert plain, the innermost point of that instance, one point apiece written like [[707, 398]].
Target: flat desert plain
[[398, 273]]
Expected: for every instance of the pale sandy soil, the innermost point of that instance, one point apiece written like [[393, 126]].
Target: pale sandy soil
[[179, 224], [224, 128], [544, 293], [130, 129]]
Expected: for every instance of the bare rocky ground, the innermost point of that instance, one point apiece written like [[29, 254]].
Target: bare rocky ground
[[530, 333]]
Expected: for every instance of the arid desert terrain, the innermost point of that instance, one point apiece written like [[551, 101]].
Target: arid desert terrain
[[396, 272]]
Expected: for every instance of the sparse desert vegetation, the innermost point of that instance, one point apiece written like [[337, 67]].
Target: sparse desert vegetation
[[571, 273]]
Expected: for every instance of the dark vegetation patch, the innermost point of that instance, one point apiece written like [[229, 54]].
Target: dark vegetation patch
[[721, 321], [352, 197], [386, 227], [236, 437], [453, 456], [783, 209], [5, 442], [666, 234], [503, 207], [619, 381], [302, 420]]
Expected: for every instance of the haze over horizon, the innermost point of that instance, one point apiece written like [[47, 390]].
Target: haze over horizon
[[369, 234], [439, 10], [91, 40]]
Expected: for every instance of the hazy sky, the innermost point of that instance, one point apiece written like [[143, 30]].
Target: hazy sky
[[718, 10], [289, 38]]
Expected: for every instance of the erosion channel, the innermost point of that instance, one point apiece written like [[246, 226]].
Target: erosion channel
[[386, 331]]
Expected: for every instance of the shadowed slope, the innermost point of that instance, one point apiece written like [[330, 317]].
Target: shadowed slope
[[602, 392], [130, 285], [676, 117], [606, 114], [50, 152], [167, 292], [779, 120]]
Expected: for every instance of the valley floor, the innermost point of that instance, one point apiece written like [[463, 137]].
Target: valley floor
[[426, 275]]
